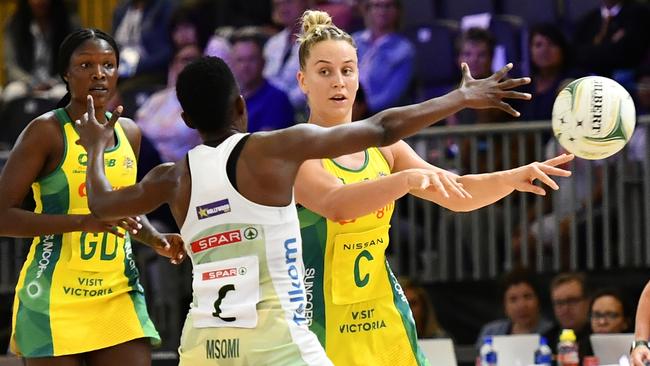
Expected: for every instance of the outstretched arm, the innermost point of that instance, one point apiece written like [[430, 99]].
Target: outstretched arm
[[483, 189], [319, 191], [306, 141], [323, 193]]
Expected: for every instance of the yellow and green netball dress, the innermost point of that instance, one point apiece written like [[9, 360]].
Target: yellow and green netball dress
[[79, 291], [355, 305]]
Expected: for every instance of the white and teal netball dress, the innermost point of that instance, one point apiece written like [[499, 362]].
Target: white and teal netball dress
[[248, 303]]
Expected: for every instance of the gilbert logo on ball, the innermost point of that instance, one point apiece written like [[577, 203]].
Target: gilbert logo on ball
[[593, 117]]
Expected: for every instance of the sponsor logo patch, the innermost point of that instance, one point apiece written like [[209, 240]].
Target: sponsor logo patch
[[213, 209], [222, 273]]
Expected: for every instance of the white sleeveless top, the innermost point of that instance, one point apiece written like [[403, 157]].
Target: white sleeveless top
[[247, 259]]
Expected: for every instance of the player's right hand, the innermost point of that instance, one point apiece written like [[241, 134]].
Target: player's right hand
[[442, 181]]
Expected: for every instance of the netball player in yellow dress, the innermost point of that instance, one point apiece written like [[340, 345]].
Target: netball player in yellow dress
[[78, 298], [356, 307]]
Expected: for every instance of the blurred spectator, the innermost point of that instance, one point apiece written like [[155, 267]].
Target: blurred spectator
[[571, 308], [610, 312], [31, 42], [160, 119], [281, 51], [188, 25], [612, 38], [549, 63], [386, 59], [521, 306], [268, 107], [426, 321], [141, 29], [476, 48], [344, 14], [219, 44]]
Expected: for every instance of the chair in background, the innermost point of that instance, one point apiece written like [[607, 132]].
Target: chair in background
[[456, 9], [511, 33], [516, 349], [532, 11], [436, 71], [439, 351], [417, 12]]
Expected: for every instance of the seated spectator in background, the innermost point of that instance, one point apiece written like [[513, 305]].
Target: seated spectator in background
[[31, 42], [159, 118], [219, 44], [549, 64], [281, 51], [386, 59], [426, 321], [344, 14], [521, 307], [141, 29], [189, 26], [612, 38], [268, 107], [475, 47], [571, 309], [610, 312]]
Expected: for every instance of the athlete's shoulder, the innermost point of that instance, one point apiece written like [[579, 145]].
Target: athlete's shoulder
[[42, 128], [128, 125], [132, 132]]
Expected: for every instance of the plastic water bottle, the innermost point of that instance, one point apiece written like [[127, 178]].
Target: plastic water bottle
[[543, 354], [488, 353], [567, 349]]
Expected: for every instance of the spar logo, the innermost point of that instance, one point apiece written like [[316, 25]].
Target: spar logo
[[224, 238], [213, 209], [223, 273], [216, 240]]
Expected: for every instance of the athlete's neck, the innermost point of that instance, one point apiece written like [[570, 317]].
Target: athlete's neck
[[75, 111], [215, 138], [328, 119]]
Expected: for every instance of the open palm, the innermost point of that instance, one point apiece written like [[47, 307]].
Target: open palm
[[490, 92]]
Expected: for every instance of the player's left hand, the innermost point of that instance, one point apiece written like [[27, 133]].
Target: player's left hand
[[91, 132], [171, 246], [523, 178]]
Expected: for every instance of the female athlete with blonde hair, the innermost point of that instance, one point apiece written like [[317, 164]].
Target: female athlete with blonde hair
[[358, 310]]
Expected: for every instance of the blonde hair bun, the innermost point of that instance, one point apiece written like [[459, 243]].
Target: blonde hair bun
[[313, 19]]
